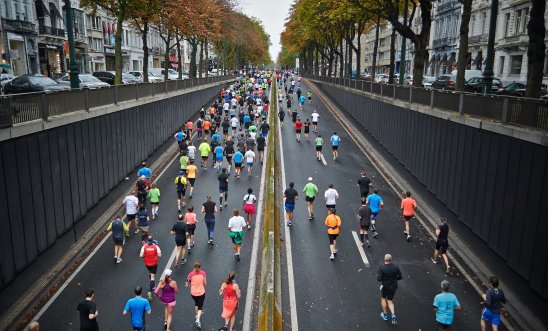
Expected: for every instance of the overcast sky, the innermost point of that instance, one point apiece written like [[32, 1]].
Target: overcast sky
[[272, 13]]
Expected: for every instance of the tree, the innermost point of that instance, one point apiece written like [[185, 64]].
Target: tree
[[536, 51], [463, 43]]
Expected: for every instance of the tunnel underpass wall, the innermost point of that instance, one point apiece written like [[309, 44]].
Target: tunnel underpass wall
[[497, 185], [50, 179]]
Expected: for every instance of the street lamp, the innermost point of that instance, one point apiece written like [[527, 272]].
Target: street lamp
[[73, 66], [488, 71]]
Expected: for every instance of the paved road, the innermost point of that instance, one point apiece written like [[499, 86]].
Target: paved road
[[344, 294], [114, 283]]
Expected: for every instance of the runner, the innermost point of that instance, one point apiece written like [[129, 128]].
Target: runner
[[249, 206], [223, 188], [335, 140], [204, 150], [225, 125], [388, 274], [445, 304], [199, 127], [142, 189], [302, 100], [364, 215], [144, 171], [249, 159], [281, 117], [180, 232], [408, 206], [306, 128], [319, 145], [288, 103], [191, 172], [184, 160], [265, 128], [197, 282], [298, 128], [442, 243], [229, 153], [236, 226], [144, 223], [137, 306], [88, 312], [218, 151], [247, 122], [299, 92], [290, 195], [209, 208], [311, 191], [154, 197], [234, 124], [238, 162], [131, 203], [315, 117], [189, 128], [190, 221], [206, 125], [119, 229], [294, 116], [261, 141], [169, 289], [375, 204], [231, 293], [493, 299], [364, 183], [309, 95], [150, 252], [331, 196], [333, 223], [181, 183]]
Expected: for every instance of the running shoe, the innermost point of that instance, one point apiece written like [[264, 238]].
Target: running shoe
[[183, 261], [332, 257], [119, 260], [288, 223], [221, 207], [408, 237], [136, 231], [384, 316], [394, 321], [335, 252], [176, 264], [433, 260], [198, 324], [192, 245], [375, 234], [149, 296], [368, 244], [115, 259], [237, 257], [249, 227], [448, 270]]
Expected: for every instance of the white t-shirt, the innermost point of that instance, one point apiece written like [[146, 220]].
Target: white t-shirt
[[131, 203], [234, 122], [253, 135], [236, 223], [315, 117], [234, 102], [249, 156], [331, 196], [191, 151], [250, 198], [226, 106]]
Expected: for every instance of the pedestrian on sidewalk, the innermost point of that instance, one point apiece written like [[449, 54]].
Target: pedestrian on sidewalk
[[335, 140], [333, 223], [168, 289], [180, 232], [291, 196], [137, 306], [493, 299], [388, 274], [190, 221], [236, 226], [144, 223], [319, 145], [197, 282], [311, 191], [376, 204], [445, 304], [88, 312], [154, 198], [364, 215], [249, 206], [209, 208], [408, 206], [119, 229], [181, 183], [231, 294], [331, 196], [364, 183], [131, 203], [150, 252], [442, 243]]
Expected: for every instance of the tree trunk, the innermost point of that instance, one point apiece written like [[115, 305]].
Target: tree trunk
[[463, 43], [316, 63], [206, 50], [144, 35], [201, 66], [166, 56], [350, 60], [536, 50], [194, 49], [118, 45], [179, 57], [330, 64], [359, 56], [341, 57], [392, 57], [376, 48]]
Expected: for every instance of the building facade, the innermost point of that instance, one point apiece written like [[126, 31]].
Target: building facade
[[444, 37]]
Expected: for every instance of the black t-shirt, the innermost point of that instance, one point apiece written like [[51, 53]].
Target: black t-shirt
[[389, 275], [209, 208], [241, 146], [281, 114], [294, 115], [229, 150], [180, 230], [85, 308], [288, 103], [265, 127], [229, 143], [260, 142], [250, 143], [223, 180], [444, 232], [365, 215], [290, 195], [141, 186], [225, 125], [364, 184]]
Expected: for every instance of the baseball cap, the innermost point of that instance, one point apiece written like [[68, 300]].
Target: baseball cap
[[309, 179], [167, 272], [181, 172]]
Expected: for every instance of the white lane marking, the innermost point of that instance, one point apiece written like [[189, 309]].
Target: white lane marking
[[360, 249], [169, 262], [287, 233], [251, 280], [323, 159]]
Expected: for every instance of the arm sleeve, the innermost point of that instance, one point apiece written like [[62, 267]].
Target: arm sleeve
[[398, 275], [109, 226], [379, 274], [125, 227], [127, 308]]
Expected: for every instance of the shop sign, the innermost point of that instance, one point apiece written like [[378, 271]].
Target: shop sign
[[13, 36]]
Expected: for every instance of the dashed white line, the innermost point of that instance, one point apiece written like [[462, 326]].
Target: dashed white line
[[360, 249], [323, 159]]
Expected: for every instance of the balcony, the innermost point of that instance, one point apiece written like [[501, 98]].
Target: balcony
[[479, 39], [447, 6], [513, 42], [48, 30], [17, 25]]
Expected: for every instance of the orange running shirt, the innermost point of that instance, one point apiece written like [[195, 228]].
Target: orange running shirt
[[333, 221], [191, 171], [206, 125], [198, 282], [408, 205]]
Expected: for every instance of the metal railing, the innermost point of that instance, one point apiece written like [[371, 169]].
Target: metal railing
[[526, 112], [19, 108]]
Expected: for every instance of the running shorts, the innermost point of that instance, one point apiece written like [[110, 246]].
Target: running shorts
[[192, 181], [228, 158], [118, 241], [223, 189], [190, 228], [388, 293], [442, 326], [309, 199], [329, 206], [199, 301], [131, 217], [181, 194], [298, 130], [218, 158], [249, 164], [179, 242], [488, 316], [204, 158], [152, 269], [442, 245], [260, 148], [318, 148], [332, 238], [237, 164], [335, 147], [314, 123], [374, 215], [289, 206], [407, 218]]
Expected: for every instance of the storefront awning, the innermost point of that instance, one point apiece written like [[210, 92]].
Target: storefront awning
[[5, 66], [41, 9]]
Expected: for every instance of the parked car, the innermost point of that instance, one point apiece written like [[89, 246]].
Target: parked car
[[108, 77], [381, 78], [33, 83], [444, 82], [477, 85], [151, 77], [171, 74], [87, 81], [427, 81], [468, 74], [518, 89], [4, 79]]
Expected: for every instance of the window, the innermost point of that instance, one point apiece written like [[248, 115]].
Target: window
[[6, 11], [501, 65], [472, 25], [518, 22], [515, 65], [525, 20], [506, 24], [484, 23]]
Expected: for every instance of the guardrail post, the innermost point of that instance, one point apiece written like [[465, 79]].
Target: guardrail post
[[382, 90], [165, 86], [411, 94], [153, 88], [86, 99], [505, 106], [461, 104], [394, 91], [371, 87], [136, 91], [115, 91], [431, 98], [44, 106]]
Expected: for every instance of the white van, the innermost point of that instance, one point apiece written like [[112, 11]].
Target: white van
[[468, 74]]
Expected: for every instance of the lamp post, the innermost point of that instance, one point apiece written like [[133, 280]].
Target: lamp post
[[488, 71], [73, 66], [403, 46]]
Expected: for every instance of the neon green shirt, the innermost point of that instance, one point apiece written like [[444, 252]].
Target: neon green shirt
[[319, 141], [310, 189], [204, 149], [154, 195], [183, 160]]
